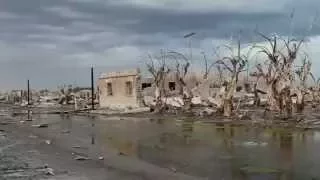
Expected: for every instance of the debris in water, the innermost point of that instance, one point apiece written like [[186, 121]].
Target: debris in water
[[258, 170], [33, 136], [252, 143], [76, 146], [49, 171], [263, 144], [65, 132], [121, 154], [81, 158], [173, 169], [46, 170], [48, 142], [2, 134], [101, 158], [32, 151], [41, 125]]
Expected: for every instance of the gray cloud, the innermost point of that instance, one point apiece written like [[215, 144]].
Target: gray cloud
[[56, 41]]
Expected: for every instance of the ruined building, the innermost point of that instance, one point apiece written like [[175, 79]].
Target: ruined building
[[120, 89]]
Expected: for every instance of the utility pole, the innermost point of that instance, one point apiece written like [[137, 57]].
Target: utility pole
[[93, 132], [189, 42], [248, 71], [28, 92], [28, 99], [21, 95], [92, 88]]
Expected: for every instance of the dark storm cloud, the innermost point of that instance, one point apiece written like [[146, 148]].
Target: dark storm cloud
[[56, 36]]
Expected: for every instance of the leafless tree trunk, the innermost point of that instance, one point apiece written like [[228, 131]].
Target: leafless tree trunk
[[315, 91], [234, 65], [207, 67], [220, 74], [278, 73], [158, 68], [255, 90], [303, 72], [182, 66]]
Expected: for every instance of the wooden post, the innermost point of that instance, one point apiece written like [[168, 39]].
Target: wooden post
[[28, 95], [21, 96], [92, 89], [28, 98]]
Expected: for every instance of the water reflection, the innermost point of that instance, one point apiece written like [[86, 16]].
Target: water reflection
[[66, 122], [93, 135], [286, 152], [226, 134], [160, 121], [29, 115], [274, 135], [221, 151], [187, 130], [232, 131]]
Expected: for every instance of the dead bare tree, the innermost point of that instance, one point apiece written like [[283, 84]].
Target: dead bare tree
[[220, 74], [234, 64], [303, 72], [207, 66], [257, 77], [65, 94], [315, 89], [278, 71], [158, 68], [181, 68]]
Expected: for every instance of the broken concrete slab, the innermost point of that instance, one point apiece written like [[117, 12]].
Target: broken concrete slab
[[196, 100]]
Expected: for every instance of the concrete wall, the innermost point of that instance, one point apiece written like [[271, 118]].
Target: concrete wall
[[119, 97]]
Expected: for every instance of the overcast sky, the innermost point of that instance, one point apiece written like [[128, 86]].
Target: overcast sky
[[56, 41]]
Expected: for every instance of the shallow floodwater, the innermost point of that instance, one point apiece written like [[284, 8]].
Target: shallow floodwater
[[213, 151]]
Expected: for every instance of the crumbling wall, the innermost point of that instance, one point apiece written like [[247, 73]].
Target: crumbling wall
[[120, 97]]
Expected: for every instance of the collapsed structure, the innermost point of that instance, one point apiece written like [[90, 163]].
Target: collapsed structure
[[120, 90], [128, 89]]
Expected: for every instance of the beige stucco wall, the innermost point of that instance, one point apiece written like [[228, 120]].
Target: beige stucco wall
[[119, 98]]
